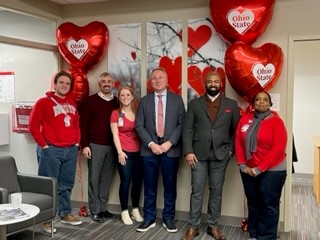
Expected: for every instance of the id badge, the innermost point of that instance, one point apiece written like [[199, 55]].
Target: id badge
[[67, 119], [120, 122]]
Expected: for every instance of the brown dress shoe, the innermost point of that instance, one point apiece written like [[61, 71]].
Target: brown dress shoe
[[190, 234], [216, 233]]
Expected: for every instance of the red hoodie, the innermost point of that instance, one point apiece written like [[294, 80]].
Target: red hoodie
[[47, 121]]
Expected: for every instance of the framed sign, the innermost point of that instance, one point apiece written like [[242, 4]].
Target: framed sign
[[6, 87]]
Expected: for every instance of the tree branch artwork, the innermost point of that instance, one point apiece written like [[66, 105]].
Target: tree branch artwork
[[124, 56], [164, 49], [206, 52]]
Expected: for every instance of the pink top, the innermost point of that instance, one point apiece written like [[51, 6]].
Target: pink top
[[129, 139]]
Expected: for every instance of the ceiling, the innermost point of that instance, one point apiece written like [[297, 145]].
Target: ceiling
[[67, 2]]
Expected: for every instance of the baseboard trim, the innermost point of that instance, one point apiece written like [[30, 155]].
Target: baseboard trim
[[302, 175]]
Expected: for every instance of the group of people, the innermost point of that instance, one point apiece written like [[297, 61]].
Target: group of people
[[150, 139]]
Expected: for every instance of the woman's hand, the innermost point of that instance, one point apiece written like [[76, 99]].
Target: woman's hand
[[122, 156]]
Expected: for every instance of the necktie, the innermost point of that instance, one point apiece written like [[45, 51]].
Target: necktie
[[160, 130]]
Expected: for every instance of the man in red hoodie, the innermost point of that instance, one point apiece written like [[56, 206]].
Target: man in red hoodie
[[54, 125]]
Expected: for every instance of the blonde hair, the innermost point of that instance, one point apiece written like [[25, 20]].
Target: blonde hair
[[158, 69], [130, 89]]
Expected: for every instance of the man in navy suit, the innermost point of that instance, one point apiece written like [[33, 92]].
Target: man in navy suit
[[160, 149], [208, 145]]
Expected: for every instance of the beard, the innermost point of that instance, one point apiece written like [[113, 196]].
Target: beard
[[213, 91]]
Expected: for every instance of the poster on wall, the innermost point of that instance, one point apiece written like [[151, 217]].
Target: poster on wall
[[124, 56], [206, 51], [6, 87], [20, 116], [164, 49]]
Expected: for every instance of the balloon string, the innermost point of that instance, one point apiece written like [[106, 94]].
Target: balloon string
[[83, 209], [244, 223]]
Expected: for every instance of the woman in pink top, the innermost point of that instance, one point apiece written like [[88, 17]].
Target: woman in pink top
[[130, 164]]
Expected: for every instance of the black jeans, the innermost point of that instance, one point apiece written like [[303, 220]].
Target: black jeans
[[263, 195], [132, 171]]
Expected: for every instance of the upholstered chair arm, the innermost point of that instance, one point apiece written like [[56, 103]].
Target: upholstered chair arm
[[38, 184], [3, 195]]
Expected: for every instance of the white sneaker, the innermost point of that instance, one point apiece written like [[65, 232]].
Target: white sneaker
[[46, 227], [125, 217], [135, 214]]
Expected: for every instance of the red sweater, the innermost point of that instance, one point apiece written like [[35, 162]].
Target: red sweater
[[46, 123], [271, 142], [95, 121]]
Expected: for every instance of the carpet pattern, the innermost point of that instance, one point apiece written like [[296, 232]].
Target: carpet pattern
[[305, 224]]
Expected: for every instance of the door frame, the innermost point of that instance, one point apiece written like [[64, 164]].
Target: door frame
[[289, 121]]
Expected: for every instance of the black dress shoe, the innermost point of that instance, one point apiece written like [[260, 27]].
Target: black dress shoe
[[107, 214], [97, 218]]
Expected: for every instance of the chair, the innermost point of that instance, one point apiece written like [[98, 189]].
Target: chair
[[36, 190]]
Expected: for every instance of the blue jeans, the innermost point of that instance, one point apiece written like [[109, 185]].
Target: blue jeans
[[61, 163], [263, 195], [169, 169], [132, 171]]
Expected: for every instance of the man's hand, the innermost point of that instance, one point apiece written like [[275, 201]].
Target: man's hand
[[156, 149], [86, 152], [165, 146], [191, 160]]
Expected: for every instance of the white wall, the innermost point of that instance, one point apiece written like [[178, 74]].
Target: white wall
[[306, 115], [33, 69]]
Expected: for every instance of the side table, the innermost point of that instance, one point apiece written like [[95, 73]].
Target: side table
[[29, 209]]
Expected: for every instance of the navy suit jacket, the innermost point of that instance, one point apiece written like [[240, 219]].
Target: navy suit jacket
[[146, 123], [199, 133]]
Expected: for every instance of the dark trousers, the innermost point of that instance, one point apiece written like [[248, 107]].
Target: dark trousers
[[131, 172], [169, 169], [263, 196], [213, 171], [100, 172]]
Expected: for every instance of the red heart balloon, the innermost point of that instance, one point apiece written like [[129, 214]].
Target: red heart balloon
[[195, 80], [173, 69], [83, 47], [251, 70], [241, 20], [197, 38], [197, 77], [80, 86]]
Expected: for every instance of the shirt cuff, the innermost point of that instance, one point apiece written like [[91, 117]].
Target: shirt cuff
[[149, 145], [243, 167]]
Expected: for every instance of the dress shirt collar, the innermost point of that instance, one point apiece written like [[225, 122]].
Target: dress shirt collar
[[213, 98], [104, 97], [164, 93]]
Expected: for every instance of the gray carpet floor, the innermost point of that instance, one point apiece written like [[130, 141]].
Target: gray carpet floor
[[305, 224]]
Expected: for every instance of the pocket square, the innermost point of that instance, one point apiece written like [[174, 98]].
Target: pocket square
[[227, 110]]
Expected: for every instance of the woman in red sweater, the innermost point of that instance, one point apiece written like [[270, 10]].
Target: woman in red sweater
[[130, 164], [260, 145]]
